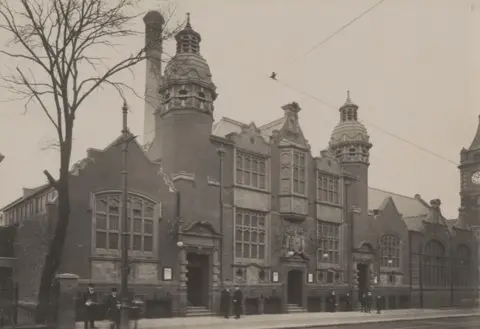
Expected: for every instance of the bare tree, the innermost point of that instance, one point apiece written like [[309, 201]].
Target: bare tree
[[58, 43]]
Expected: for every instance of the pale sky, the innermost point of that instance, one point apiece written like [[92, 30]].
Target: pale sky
[[413, 67]]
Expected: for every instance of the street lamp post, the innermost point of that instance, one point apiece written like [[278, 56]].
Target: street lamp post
[[420, 275], [124, 230], [221, 155]]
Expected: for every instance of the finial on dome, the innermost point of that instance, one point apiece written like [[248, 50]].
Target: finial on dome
[[349, 100], [188, 21]]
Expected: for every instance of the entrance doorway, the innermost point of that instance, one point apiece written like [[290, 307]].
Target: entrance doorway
[[295, 287], [6, 277], [197, 279], [363, 279]]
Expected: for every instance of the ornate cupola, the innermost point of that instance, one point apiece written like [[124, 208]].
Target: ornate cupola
[[351, 145], [184, 119], [187, 81], [349, 140]]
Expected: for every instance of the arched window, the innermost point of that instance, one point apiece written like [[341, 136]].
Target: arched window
[[390, 251], [462, 273], [107, 222], [435, 264]]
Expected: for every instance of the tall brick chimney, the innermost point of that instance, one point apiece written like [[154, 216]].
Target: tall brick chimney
[[154, 22]]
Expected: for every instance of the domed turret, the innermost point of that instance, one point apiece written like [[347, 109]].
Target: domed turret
[[349, 140], [184, 118], [187, 81]]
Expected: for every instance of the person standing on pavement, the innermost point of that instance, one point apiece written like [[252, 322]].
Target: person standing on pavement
[[90, 302], [237, 302], [347, 303], [369, 302], [113, 309], [332, 302], [225, 301], [379, 304], [363, 299]]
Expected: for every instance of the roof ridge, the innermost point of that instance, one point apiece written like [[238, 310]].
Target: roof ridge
[[230, 120], [402, 195], [271, 123]]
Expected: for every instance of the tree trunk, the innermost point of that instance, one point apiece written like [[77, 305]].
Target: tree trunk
[[54, 255]]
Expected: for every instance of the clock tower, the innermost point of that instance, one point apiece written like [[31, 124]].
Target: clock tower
[[470, 181]]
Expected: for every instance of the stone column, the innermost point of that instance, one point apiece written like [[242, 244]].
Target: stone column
[[67, 285], [215, 280], [182, 287], [355, 286]]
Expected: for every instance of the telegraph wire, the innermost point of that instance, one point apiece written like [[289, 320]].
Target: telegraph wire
[[339, 30], [367, 123], [274, 77], [330, 105]]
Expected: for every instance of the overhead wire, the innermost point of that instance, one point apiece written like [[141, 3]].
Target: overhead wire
[[424, 149], [274, 77], [343, 27]]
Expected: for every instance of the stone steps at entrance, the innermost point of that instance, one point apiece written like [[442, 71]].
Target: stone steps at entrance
[[294, 308], [192, 311]]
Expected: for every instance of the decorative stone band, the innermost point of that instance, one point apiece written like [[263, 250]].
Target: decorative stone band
[[182, 175]]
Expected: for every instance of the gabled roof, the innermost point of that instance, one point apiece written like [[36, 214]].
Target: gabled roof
[[407, 206], [30, 192], [268, 128], [226, 126], [414, 223]]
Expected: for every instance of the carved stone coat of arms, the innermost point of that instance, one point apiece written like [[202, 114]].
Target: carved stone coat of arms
[[294, 240]]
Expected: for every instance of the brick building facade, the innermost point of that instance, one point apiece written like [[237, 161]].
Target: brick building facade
[[233, 203]]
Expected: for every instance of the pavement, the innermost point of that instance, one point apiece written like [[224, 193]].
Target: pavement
[[307, 320], [446, 323]]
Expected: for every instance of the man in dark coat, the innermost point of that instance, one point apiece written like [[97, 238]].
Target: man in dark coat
[[225, 301], [347, 302], [363, 299], [368, 302], [237, 302], [113, 309], [90, 302], [332, 302], [379, 303]]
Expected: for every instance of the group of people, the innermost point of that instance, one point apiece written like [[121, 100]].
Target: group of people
[[332, 304], [91, 303], [227, 300], [366, 301]]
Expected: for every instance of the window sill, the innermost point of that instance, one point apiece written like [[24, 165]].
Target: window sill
[[116, 255], [327, 266], [291, 194], [323, 203], [244, 262], [390, 270], [251, 188]]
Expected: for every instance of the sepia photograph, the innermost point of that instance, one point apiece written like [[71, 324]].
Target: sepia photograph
[[227, 164]]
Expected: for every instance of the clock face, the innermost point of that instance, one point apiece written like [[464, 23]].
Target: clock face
[[476, 178]]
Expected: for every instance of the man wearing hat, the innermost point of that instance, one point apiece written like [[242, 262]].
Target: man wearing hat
[[113, 309], [90, 302]]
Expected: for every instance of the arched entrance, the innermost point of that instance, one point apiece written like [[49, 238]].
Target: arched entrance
[[294, 287]]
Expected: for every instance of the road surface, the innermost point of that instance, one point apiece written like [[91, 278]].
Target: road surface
[[452, 323]]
